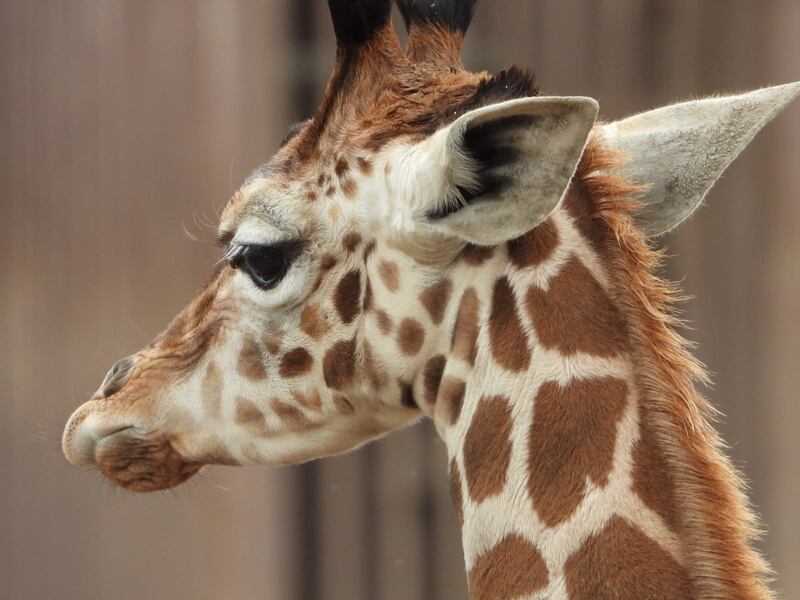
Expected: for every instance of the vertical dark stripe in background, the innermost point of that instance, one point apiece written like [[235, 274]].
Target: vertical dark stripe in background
[[303, 89], [653, 25]]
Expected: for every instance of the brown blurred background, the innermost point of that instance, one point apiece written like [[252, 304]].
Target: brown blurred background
[[122, 123]]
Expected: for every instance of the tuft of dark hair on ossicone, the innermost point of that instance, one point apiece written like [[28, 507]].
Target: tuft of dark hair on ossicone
[[448, 14], [356, 21]]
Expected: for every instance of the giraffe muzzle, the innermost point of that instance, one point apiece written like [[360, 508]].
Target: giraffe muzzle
[[136, 462], [84, 432]]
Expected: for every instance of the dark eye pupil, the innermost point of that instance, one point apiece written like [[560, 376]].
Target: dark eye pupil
[[266, 266]]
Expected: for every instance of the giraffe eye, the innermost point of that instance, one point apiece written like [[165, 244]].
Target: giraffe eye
[[265, 265]]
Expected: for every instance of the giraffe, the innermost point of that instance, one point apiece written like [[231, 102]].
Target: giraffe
[[452, 245]]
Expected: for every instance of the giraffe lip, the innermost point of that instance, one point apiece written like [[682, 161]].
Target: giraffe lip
[[106, 436], [116, 431], [142, 464], [81, 441], [106, 439]]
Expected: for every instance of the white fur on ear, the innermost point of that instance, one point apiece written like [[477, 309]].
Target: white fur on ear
[[505, 167], [681, 150]]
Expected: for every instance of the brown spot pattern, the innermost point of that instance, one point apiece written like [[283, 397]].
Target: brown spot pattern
[[652, 477], [465, 330], [435, 299], [572, 437], [351, 240], [580, 207], [575, 314], [487, 448], [364, 165], [334, 211], [251, 360], [368, 297], [432, 377], [455, 491], [249, 415], [295, 363], [311, 400], [273, 344], [451, 396], [292, 416], [339, 364], [389, 274], [347, 297], [621, 563], [342, 166], [410, 336], [512, 569], [384, 321], [313, 323], [534, 247], [349, 188], [327, 262], [211, 390], [507, 339], [476, 255]]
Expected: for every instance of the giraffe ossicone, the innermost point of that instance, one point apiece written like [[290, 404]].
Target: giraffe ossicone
[[446, 244]]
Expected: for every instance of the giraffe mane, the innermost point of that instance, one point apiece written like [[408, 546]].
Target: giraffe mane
[[717, 525], [436, 31], [413, 103], [379, 91], [453, 15]]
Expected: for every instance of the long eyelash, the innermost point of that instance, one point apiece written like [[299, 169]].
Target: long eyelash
[[234, 252]]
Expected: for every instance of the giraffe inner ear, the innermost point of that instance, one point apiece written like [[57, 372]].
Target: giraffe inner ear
[[680, 151], [507, 166]]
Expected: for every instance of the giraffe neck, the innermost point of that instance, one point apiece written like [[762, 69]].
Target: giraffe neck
[[581, 463]]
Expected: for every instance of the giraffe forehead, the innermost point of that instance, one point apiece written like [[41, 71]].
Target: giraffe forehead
[[328, 192], [271, 203], [331, 156]]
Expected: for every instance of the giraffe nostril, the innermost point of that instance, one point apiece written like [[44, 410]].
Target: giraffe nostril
[[117, 377]]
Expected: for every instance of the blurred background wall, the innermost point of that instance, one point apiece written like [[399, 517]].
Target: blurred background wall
[[125, 123]]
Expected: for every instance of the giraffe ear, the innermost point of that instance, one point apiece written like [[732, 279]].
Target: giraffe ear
[[505, 166], [680, 151]]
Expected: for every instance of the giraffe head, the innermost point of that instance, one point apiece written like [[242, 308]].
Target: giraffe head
[[344, 283]]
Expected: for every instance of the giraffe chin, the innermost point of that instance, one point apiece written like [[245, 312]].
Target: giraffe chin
[[142, 465]]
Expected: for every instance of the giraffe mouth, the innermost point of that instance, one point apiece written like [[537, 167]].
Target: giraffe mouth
[[129, 459], [142, 464]]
